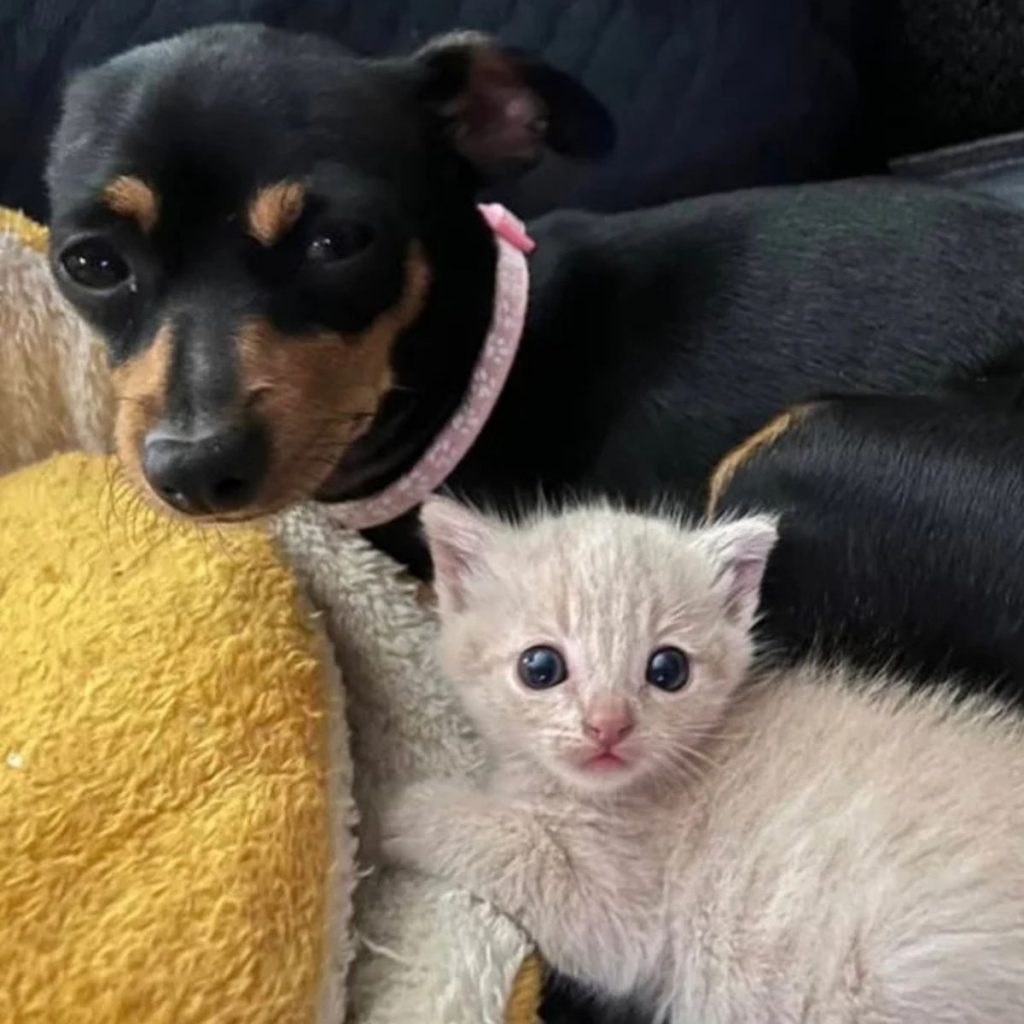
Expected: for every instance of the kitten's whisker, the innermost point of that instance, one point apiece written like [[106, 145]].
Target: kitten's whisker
[[679, 760], [699, 755]]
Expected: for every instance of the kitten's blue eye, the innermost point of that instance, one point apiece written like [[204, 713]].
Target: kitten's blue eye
[[541, 668], [668, 669]]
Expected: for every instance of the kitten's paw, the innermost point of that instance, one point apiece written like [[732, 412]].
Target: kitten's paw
[[416, 820]]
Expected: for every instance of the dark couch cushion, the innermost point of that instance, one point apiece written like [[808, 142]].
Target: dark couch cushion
[[951, 71], [708, 94]]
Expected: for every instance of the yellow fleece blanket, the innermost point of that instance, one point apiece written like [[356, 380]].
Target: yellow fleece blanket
[[164, 829]]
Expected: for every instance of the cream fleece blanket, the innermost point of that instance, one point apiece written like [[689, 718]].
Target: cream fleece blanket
[[420, 951]]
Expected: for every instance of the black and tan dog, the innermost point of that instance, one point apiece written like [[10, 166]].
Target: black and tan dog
[[282, 247], [901, 534]]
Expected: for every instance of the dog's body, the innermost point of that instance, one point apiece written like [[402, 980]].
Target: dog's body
[[282, 248], [902, 533], [658, 340]]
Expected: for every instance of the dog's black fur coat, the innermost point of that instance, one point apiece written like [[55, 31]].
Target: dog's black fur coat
[[901, 535]]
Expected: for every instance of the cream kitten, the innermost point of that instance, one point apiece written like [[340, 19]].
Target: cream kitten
[[813, 847]]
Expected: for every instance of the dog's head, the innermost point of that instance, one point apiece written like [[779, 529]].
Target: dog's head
[[261, 226]]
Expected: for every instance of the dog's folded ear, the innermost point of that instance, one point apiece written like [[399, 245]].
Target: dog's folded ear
[[501, 107]]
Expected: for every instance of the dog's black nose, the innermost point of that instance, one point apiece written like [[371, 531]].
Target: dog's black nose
[[206, 474]]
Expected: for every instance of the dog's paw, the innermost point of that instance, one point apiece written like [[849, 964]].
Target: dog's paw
[[416, 821]]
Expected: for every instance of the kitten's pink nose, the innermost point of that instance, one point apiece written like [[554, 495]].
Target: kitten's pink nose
[[608, 723]]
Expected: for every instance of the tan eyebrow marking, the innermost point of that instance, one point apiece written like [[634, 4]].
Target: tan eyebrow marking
[[129, 196], [274, 211]]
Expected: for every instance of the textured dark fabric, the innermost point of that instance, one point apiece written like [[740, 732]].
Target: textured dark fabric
[[708, 94], [953, 71]]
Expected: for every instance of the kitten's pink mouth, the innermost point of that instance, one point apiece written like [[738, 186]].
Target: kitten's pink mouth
[[608, 761]]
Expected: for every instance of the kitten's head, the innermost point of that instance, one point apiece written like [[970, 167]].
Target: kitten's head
[[606, 645]]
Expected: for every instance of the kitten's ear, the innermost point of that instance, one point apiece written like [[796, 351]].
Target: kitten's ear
[[501, 107], [739, 552], [457, 538]]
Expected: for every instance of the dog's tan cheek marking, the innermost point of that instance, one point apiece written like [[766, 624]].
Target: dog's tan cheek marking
[[140, 386], [131, 197], [274, 211], [743, 452], [318, 393]]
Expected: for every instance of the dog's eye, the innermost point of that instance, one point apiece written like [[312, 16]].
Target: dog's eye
[[95, 264], [338, 243]]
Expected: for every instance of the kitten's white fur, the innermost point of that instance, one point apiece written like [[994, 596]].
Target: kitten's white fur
[[813, 846]]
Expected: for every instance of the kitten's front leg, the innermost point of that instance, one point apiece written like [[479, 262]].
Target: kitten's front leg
[[447, 828], [498, 850]]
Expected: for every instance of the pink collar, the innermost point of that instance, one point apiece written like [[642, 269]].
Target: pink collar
[[511, 292]]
